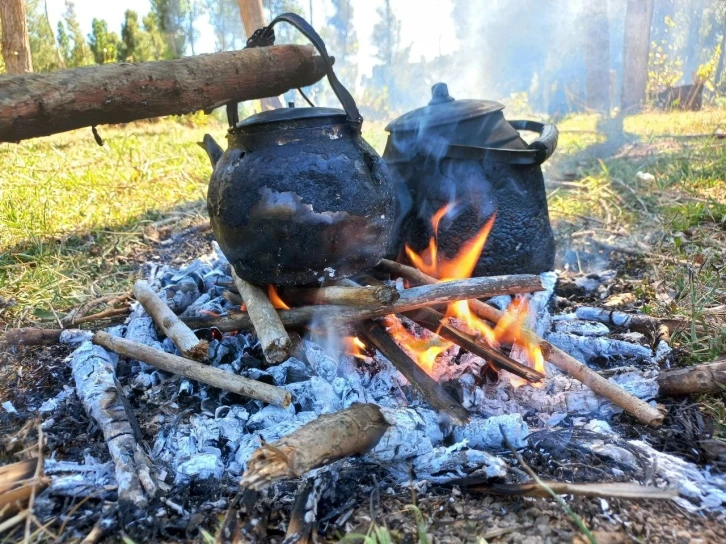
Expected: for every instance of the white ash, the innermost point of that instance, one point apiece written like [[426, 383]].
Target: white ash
[[588, 348], [9, 407], [71, 479], [216, 436], [596, 282], [582, 328], [74, 336], [56, 402]]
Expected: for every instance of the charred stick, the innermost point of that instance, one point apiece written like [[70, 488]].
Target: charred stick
[[636, 322], [32, 336], [410, 299], [193, 370], [270, 330], [429, 388], [641, 410], [708, 378], [303, 514], [183, 337], [322, 441], [233, 298], [435, 322], [344, 295]]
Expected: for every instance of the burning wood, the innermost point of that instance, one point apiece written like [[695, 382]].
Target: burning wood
[[95, 375], [263, 316], [322, 441], [345, 295], [641, 410], [410, 299], [185, 340], [429, 388], [193, 370]]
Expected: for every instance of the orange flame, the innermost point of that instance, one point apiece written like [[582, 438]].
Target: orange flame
[[354, 347], [510, 328], [275, 298], [422, 350]]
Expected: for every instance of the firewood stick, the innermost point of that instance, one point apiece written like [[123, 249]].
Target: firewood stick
[[32, 336], [410, 299], [609, 489], [270, 331], [108, 313], [233, 298], [344, 295], [641, 410], [303, 514], [430, 389], [707, 378], [322, 441], [184, 339], [435, 322], [33, 105], [193, 370]]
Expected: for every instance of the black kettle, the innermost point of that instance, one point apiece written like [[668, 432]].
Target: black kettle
[[299, 197], [465, 154]]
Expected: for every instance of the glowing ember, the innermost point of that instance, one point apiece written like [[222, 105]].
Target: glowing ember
[[354, 347], [510, 328], [209, 313], [275, 298]]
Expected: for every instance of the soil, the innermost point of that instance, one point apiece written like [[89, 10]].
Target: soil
[[362, 498]]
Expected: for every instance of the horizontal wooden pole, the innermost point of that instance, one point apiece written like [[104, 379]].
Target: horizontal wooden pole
[[707, 378], [33, 105]]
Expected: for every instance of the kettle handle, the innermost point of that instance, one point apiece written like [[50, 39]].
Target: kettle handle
[[266, 36]]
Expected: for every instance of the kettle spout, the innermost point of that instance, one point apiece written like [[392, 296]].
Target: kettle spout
[[213, 149]]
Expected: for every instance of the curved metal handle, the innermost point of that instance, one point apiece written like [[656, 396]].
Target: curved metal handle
[[266, 36], [547, 141]]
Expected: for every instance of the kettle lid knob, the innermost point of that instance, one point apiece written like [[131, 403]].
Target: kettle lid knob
[[440, 94]]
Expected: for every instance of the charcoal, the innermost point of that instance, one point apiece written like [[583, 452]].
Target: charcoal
[[315, 395], [180, 295]]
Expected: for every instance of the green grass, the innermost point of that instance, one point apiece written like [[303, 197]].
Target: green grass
[[72, 214]]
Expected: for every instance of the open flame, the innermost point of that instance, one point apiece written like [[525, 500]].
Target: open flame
[[461, 266], [423, 350], [354, 347], [274, 297]]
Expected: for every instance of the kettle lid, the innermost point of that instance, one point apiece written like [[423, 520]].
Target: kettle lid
[[443, 109], [291, 113]]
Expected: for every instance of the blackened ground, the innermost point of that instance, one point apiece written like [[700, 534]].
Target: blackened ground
[[363, 495]]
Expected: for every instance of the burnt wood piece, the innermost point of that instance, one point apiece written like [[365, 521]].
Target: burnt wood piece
[[436, 323], [303, 514], [410, 299], [645, 324], [429, 388], [618, 490], [33, 105], [184, 339], [270, 331], [234, 298], [344, 295], [644, 412], [322, 441], [708, 378], [32, 336], [193, 370]]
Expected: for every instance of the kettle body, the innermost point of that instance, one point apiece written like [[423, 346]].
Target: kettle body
[[465, 155]]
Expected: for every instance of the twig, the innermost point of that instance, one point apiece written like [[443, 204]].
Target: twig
[[36, 478], [708, 378], [641, 410], [608, 489], [193, 370], [270, 331], [429, 388], [185, 340], [577, 519], [105, 314]]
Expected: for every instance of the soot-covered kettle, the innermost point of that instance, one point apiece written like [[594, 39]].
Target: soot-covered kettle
[[299, 197]]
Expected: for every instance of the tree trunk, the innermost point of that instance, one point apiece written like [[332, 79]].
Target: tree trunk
[[253, 18], [15, 41], [596, 49], [638, 16], [35, 105]]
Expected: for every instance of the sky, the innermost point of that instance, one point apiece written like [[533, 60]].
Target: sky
[[425, 24]]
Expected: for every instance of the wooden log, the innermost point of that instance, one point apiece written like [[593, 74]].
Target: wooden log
[[184, 339], [32, 336], [430, 389], [33, 105], [322, 441], [641, 410], [270, 331], [344, 295], [436, 323], [708, 378], [193, 370], [410, 299]]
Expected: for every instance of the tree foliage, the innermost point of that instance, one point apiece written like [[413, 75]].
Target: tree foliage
[[103, 44], [74, 49], [224, 15]]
